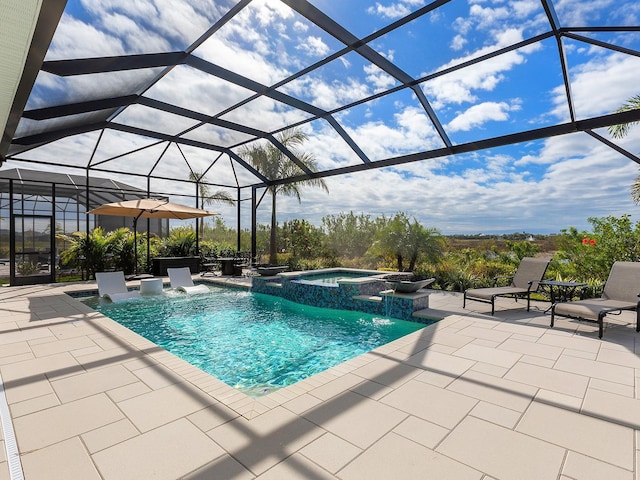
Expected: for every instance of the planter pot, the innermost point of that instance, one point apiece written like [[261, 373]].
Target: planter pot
[[271, 271], [404, 286]]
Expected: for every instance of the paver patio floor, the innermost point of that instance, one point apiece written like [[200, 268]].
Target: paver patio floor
[[471, 397]]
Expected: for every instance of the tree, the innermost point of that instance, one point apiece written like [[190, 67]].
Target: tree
[[301, 239], [208, 198], [274, 164], [408, 240], [349, 235], [619, 131]]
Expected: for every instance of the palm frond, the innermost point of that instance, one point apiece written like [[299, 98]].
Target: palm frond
[[622, 130]]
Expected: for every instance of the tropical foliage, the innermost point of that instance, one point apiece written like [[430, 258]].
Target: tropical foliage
[[181, 242], [407, 241], [619, 131], [587, 255], [99, 251], [394, 243]]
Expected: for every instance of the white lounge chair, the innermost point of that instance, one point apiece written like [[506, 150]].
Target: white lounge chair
[[111, 285], [180, 279]]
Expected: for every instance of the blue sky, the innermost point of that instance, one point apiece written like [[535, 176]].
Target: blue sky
[[540, 186]]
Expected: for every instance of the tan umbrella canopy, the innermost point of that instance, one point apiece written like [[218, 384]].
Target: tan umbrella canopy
[[149, 208]]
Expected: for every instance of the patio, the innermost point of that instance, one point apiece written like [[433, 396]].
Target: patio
[[471, 397]]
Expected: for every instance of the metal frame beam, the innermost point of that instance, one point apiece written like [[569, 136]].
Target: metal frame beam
[[86, 66], [47, 113]]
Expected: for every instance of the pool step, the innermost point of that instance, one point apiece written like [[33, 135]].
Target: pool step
[[368, 298], [430, 314]]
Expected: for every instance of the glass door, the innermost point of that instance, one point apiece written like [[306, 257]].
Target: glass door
[[32, 260]]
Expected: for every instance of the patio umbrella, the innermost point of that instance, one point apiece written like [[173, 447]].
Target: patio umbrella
[[149, 208]]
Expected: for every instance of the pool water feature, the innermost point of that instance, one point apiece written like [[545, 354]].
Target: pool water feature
[[256, 343]]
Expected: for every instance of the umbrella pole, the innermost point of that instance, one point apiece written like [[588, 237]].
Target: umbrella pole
[[135, 245], [135, 242]]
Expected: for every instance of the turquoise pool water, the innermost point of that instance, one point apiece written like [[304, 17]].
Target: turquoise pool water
[[256, 343], [333, 277]]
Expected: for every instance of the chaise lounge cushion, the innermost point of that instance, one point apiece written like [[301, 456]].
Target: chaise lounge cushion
[[590, 309], [492, 292]]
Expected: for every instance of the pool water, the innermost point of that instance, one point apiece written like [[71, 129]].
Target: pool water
[[333, 277], [254, 342]]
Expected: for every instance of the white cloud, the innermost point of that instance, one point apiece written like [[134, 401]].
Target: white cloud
[[76, 39], [478, 115], [136, 37], [313, 46], [329, 95], [486, 16], [458, 42], [300, 27], [599, 86], [395, 10], [380, 80], [524, 8], [269, 11], [577, 12]]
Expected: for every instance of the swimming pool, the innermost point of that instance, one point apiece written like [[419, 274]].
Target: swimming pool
[[254, 342]]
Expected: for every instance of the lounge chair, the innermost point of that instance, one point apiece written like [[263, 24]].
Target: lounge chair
[[524, 281], [621, 292], [111, 285], [180, 279]]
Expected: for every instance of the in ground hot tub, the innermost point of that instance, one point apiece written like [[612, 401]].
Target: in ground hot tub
[[346, 289]]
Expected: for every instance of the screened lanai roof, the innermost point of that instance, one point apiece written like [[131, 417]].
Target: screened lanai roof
[[152, 88], [36, 183]]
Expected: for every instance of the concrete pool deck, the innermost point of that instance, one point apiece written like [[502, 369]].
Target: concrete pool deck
[[471, 397]]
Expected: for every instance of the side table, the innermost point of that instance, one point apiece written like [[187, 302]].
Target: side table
[[151, 286], [561, 291]]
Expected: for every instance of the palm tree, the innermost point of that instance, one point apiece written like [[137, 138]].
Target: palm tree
[[407, 240], [208, 198], [274, 164], [619, 131]]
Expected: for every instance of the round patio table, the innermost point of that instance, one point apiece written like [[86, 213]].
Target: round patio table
[[227, 264]]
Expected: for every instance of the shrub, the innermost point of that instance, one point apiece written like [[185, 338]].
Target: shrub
[[181, 242]]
